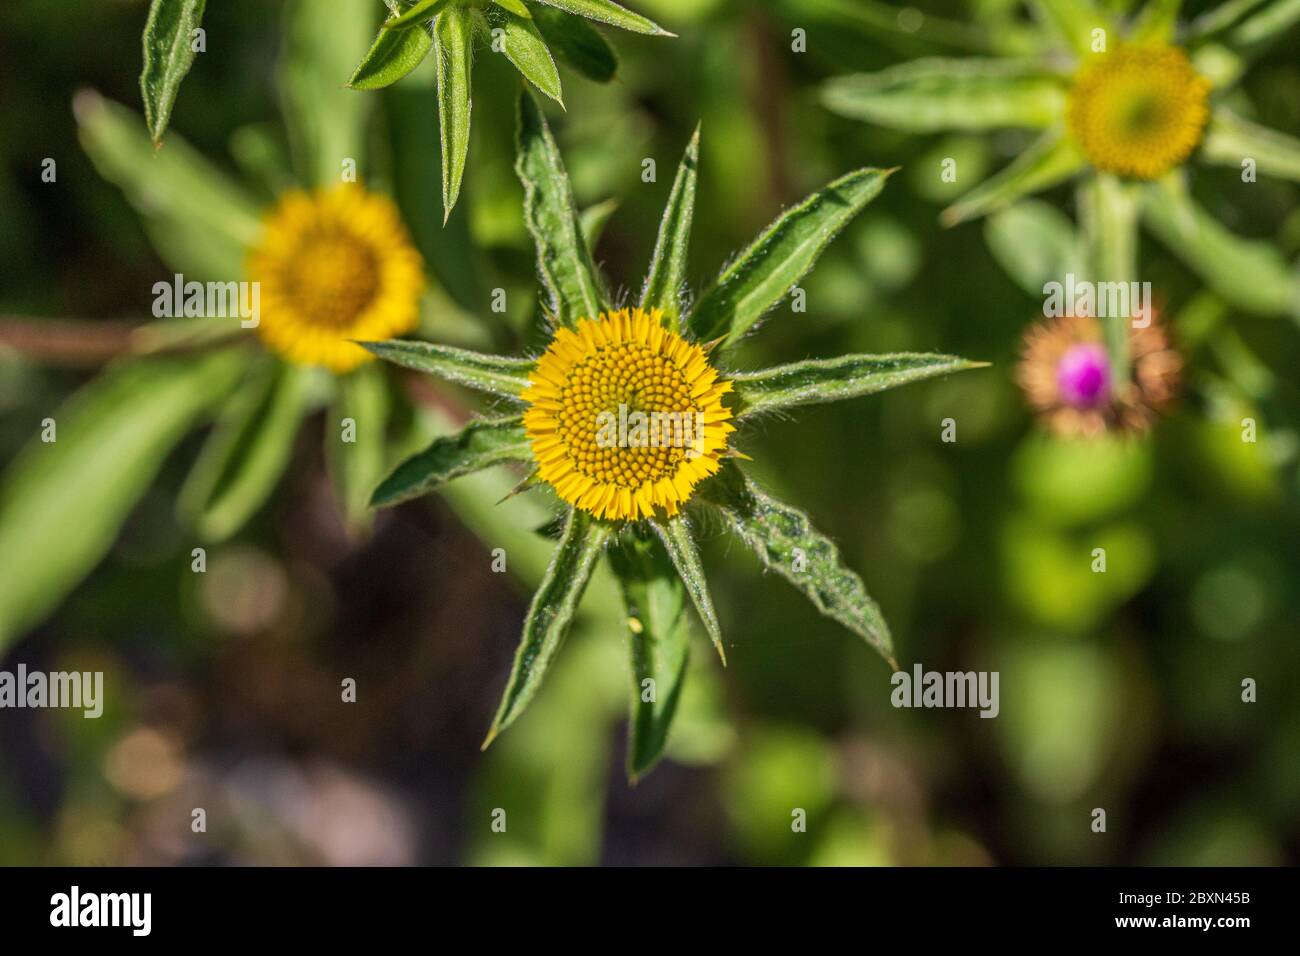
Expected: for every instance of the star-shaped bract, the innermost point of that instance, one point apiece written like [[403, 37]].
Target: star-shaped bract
[[654, 554]]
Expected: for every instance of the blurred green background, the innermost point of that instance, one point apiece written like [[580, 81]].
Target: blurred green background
[[1119, 690]]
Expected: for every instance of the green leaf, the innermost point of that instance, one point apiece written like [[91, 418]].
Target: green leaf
[[323, 42], [1249, 273], [832, 380], [496, 374], [454, 260], [776, 531], [168, 55], [593, 221], [479, 445], [1035, 243], [782, 254], [611, 13], [261, 154], [199, 220], [394, 54], [1239, 28], [525, 48], [1259, 30], [550, 614], [667, 276], [1219, 18], [680, 545], [1108, 216], [420, 14], [62, 503], [850, 21], [453, 36], [247, 452], [563, 259], [355, 452], [1157, 21], [576, 43], [1219, 65], [658, 644], [182, 335], [1072, 20], [1053, 159], [934, 94], [1231, 139]]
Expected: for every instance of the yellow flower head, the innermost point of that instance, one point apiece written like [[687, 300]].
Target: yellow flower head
[[1139, 110], [333, 266], [625, 416]]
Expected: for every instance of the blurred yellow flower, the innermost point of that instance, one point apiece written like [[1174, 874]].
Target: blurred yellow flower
[[334, 266], [1138, 110]]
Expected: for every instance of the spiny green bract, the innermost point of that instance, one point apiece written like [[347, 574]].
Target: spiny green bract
[[532, 34], [657, 561]]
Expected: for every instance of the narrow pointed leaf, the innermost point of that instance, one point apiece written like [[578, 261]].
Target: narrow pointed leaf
[[183, 335], [775, 531], [496, 374], [1108, 216], [453, 35], [563, 259], [1263, 27], [658, 644], [1240, 29], [606, 11], [1249, 273], [1108, 222], [1231, 139], [875, 21], [261, 154], [394, 54], [1035, 243], [479, 445], [1157, 21], [168, 55], [550, 614], [783, 253], [934, 94], [831, 380], [525, 48], [1072, 20], [454, 260], [576, 43], [356, 433], [680, 545], [667, 275], [593, 221], [247, 452], [1220, 17], [63, 502], [1053, 159], [200, 221], [420, 14], [324, 41]]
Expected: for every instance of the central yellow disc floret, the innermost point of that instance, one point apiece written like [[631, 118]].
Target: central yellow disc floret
[[1138, 111], [625, 416], [335, 266]]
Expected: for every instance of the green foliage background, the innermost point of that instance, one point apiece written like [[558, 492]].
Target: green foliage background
[[1119, 690]]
